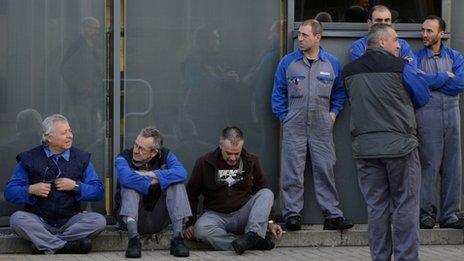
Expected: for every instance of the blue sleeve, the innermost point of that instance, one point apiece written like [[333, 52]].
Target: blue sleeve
[[279, 92], [416, 85], [338, 95], [17, 188], [435, 81], [455, 85], [174, 172], [91, 187], [129, 178], [407, 54], [357, 50]]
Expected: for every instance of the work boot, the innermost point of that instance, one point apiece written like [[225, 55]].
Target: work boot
[[245, 242], [134, 248], [338, 223], [427, 223], [293, 223], [264, 243], [459, 224], [178, 247], [80, 246], [36, 251]]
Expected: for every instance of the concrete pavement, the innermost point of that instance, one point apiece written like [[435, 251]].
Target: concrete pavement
[[427, 253]]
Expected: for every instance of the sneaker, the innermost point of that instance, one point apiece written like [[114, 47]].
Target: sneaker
[[264, 243], [459, 224], [134, 248], [178, 247], [293, 223], [338, 223], [81, 246], [427, 223], [245, 242]]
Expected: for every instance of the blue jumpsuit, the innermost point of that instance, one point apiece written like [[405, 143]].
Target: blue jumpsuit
[[303, 96], [439, 134]]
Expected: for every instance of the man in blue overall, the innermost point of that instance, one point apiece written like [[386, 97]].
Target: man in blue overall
[[439, 129], [379, 14], [308, 94], [51, 180], [383, 91]]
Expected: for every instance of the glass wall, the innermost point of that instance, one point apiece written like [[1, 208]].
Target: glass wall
[[52, 60], [194, 67], [355, 11]]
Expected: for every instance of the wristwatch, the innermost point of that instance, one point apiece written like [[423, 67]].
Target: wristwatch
[[76, 187], [271, 221]]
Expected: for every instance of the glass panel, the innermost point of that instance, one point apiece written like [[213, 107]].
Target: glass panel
[[356, 10], [52, 60], [194, 67]]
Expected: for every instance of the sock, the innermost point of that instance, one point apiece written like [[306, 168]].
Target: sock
[[131, 227], [177, 228]]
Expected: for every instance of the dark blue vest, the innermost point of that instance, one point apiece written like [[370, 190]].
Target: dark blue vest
[[58, 206]]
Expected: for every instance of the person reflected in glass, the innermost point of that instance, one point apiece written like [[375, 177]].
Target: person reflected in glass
[[82, 70], [51, 180]]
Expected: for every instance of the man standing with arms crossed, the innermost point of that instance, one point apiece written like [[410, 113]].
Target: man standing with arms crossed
[[308, 94], [439, 129]]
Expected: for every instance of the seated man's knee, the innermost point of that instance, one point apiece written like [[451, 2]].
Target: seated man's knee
[[100, 222], [17, 219], [203, 229], [266, 193]]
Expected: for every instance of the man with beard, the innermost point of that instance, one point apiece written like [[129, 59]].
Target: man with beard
[[439, 128]]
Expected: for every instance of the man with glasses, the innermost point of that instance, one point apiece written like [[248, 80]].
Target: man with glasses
[[51, 180], [151, 192]]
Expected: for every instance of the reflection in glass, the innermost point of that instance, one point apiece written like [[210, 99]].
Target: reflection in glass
[[51, 61], [212, 67]]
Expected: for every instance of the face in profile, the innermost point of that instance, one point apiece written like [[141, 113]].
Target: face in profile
[[307, 39]]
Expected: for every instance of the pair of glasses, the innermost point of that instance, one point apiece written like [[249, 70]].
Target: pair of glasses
[[51, 173]]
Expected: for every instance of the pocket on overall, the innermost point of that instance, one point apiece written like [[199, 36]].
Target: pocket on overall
[[324, 86], [295, 86]]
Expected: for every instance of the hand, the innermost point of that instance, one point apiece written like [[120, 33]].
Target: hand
[[451, 74], [147, 173], [189, 232], [275, 230], [40, 189], [65, 184], [333, 116]]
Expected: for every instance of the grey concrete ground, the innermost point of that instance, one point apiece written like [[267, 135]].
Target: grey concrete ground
[[427, 253]]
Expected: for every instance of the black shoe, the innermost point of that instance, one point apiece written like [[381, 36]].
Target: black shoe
[[264, 243], [459, 224], [293, 223], [178, 247], [134, 248], [337, 224], [35, 251], [81, 246], [246, 242], [427, 223]]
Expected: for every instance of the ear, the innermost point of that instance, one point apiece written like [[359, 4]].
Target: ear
[[441, 34], [369, 22], [318, 37]]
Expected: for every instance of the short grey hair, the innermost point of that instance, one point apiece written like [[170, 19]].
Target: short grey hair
[[378, 32], [48, 125], [152, 132], [233, 134]]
